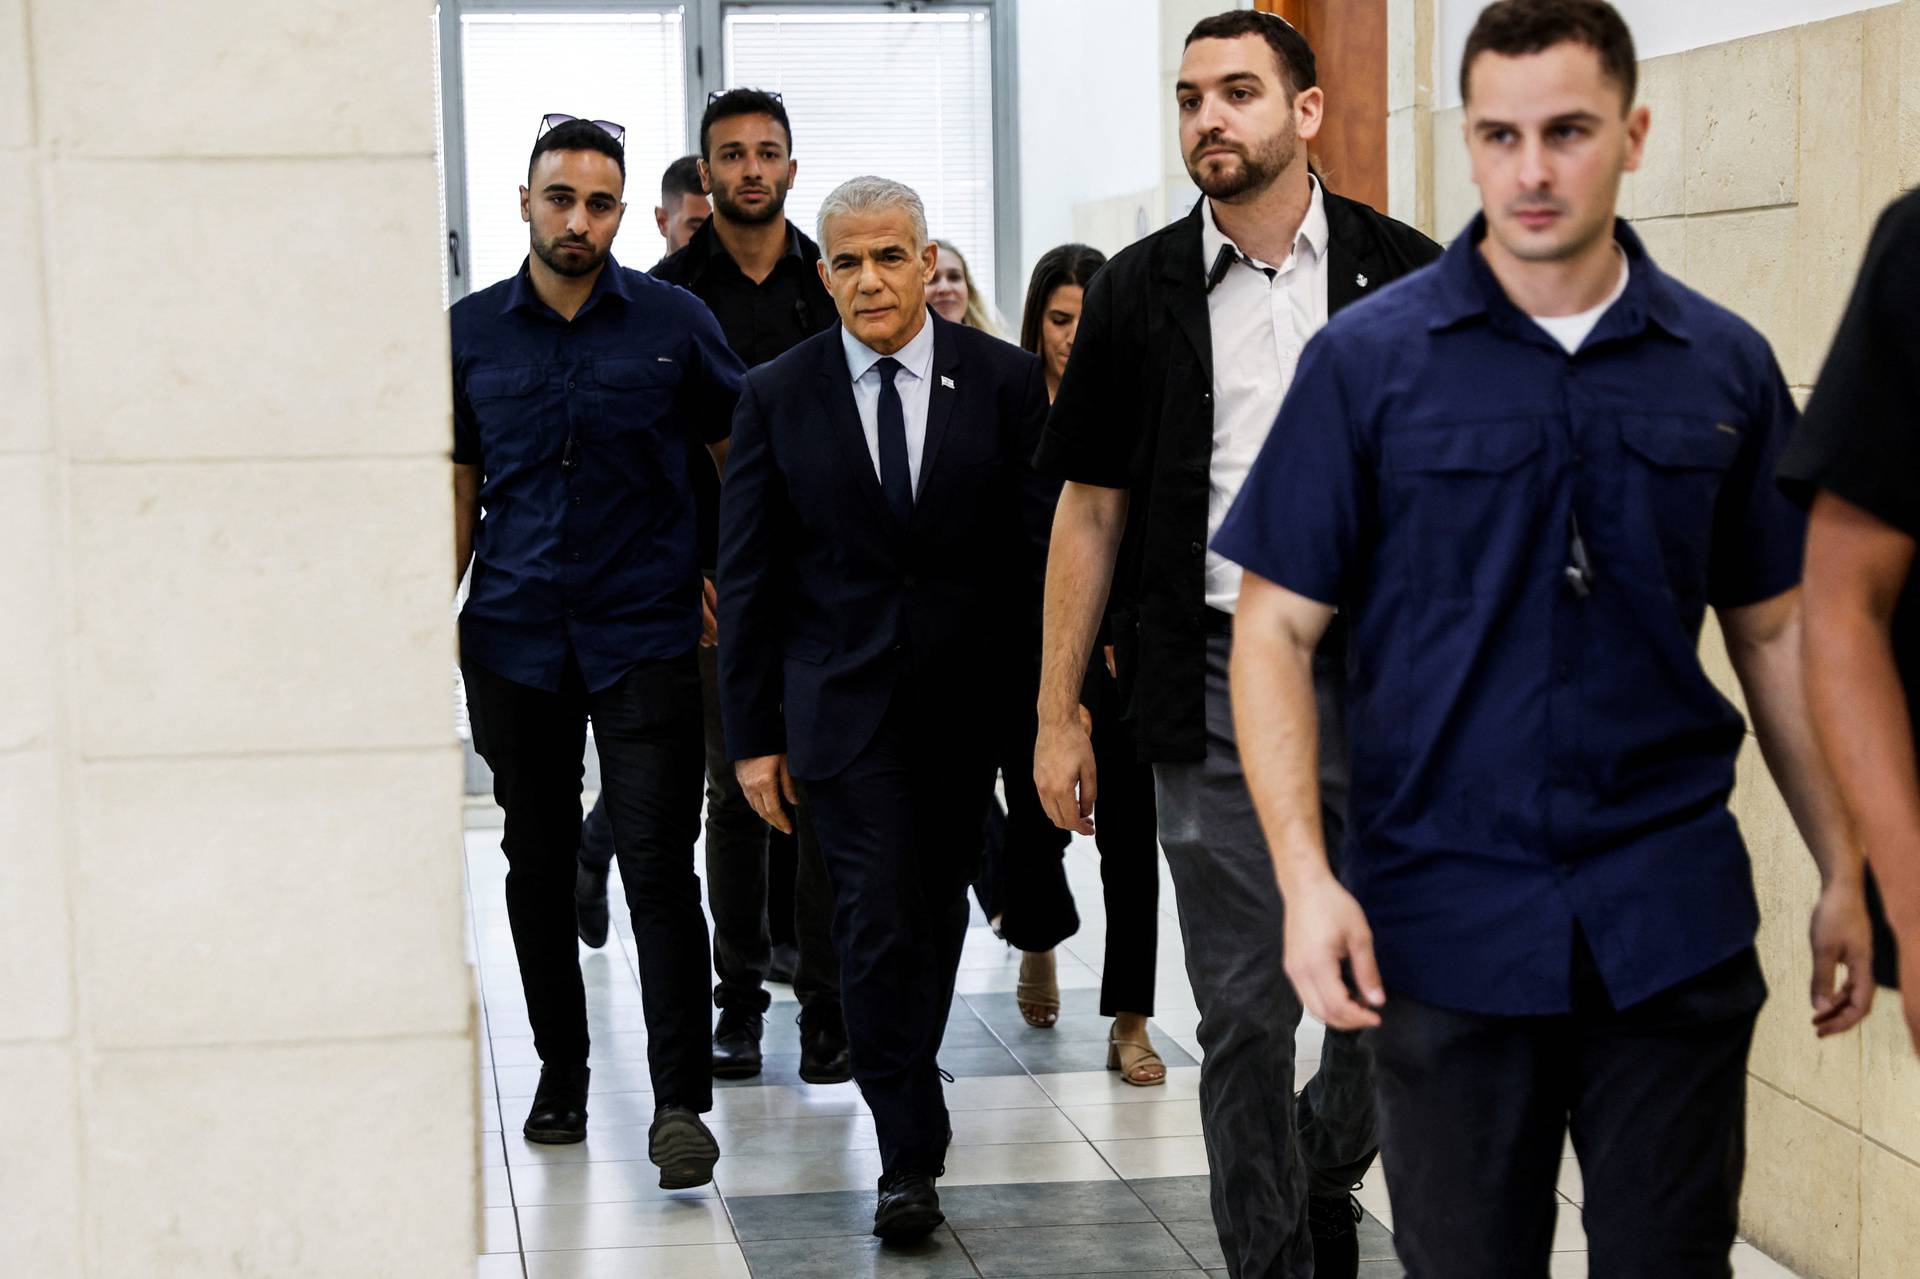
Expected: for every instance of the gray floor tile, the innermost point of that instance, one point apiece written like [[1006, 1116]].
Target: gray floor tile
[[979, 1062], [1060, 1203], [1201, 1239], [861, 1256], [1059, 1056], [839, 1212], [1376, 1241], [1065, 1250], [1176, 1198]]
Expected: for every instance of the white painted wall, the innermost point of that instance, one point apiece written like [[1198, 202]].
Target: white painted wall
[[1090, 113], [1659, 26]]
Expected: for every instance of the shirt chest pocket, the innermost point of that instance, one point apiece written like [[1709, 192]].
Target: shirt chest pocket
[[1673, 467], [507, 409], [1467, 496], [637, 393]]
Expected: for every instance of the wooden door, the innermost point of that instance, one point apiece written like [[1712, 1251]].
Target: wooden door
[[1349, 39]]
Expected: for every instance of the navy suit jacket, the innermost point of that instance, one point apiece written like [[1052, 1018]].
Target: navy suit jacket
[[826, 601]]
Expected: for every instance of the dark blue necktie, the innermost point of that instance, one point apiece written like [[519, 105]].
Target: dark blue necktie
[[896, 477]]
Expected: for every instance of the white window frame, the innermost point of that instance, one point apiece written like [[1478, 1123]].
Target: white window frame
[[704, 21]]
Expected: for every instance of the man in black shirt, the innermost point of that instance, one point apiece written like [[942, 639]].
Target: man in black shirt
[[1856, 460], [756, 272]]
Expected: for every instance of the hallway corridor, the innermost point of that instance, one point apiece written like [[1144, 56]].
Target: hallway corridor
[[1057, 1167]]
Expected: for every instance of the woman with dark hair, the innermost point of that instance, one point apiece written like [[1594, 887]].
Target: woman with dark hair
[[1030, 901]]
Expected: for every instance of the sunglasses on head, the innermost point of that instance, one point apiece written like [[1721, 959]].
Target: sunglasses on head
[[718, 94], [554, 119]]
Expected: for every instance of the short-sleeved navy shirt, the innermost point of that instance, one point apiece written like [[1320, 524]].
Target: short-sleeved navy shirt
[[586, 548], [1527, 758]]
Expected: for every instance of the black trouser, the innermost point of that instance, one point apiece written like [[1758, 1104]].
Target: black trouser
[[1126, 831], [1023, 877], [647, 727], [1473, 1110], [739, 894], [899, 830], [1022, 885]]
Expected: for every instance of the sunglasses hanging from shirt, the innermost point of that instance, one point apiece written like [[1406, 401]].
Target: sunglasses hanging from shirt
[[554, 119]]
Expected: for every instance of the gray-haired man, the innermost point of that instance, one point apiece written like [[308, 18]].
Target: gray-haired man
[[874, 594]]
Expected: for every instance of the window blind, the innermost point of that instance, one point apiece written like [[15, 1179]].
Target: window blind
[[627, 67], [907, 96]]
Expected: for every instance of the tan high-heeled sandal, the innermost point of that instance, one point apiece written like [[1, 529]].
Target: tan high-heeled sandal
[[1039, 1000], [1135, 1059]]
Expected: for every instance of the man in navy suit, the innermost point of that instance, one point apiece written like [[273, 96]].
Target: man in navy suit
[[876, 592]]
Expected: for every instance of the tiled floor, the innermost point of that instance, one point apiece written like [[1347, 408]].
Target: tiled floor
[[1057, 1167]]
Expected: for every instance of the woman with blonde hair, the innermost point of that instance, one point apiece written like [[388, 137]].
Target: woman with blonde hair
[[953, 296]]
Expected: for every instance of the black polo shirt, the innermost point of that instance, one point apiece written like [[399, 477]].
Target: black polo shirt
[[761, 320], [1860, 440]]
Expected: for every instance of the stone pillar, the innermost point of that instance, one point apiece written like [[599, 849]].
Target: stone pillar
[[235, 1017]]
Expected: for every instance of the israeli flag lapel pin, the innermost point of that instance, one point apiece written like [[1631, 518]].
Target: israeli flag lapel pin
[[1360, 280], [946, 381]]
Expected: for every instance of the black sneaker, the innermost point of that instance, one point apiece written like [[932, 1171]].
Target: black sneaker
[[590, 905], [823, 1047], [559, 1113], [908, 1208], [1334, 1223], [682, 1147], [736, 1044]]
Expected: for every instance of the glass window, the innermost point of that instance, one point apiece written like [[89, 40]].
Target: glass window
[[933, 74], [629, 67]]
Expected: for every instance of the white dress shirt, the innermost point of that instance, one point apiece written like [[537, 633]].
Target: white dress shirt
[[916, 360], [1261, 317]]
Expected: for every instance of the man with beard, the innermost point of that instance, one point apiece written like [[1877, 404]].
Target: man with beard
[[767, 889], [576, 384], [1187, 344]]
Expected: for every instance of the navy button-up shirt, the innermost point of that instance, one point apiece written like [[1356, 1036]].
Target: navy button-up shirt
[[581, 429], [1527, 757]]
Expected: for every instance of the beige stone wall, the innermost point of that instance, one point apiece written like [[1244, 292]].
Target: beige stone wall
[[1769, 159], [234, 1011]]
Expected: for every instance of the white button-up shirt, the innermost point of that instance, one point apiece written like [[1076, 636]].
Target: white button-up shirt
[[1261, 317], [916, 367]]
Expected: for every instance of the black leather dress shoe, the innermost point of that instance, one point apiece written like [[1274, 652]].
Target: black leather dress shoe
[[559, 1113], [590, 906], [736, 1044], [1334, 1223], [823, 1047], [909, 1209], [682, 1148]]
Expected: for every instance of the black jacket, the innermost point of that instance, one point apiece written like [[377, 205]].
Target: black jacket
[[1135, 411], [826, 601]]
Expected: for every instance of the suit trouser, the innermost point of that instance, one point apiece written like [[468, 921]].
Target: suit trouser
[[1265, 1150], [738, 890], [647, 727], [1473, 1110], [899, 831]]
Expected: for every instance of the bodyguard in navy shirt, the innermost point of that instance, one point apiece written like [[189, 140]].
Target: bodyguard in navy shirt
[[1548, 911], [577, 387]]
